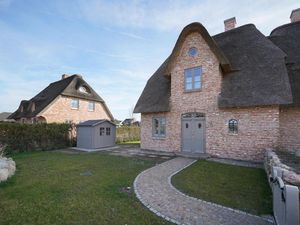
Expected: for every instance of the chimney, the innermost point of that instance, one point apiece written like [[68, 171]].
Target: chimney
[[295, 15], [64, 76], [229, 23]]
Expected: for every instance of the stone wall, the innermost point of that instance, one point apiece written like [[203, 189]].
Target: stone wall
[[290, 128], [60, 111], [258, 127]]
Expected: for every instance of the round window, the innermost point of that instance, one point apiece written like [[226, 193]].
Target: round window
[[193, 51]]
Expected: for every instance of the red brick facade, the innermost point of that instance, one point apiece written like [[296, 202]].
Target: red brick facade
[[258, 127], [289, 128], [60, 111]]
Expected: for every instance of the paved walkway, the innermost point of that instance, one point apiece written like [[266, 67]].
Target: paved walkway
[[154, 189]]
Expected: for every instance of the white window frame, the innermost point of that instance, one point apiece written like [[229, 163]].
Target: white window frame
[[93, 106], [72, 101], [161, 122]]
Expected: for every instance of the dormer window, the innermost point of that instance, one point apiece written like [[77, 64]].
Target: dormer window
[[83, 89]]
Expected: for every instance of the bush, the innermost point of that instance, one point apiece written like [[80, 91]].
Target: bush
[[28, 137], [126, 133]]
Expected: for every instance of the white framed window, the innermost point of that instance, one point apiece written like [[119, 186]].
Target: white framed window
[[159, 127], [91, 106], [75, 103], [193, 79]]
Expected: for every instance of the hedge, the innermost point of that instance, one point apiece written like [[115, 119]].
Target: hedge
[[30, 137], [126, 133]]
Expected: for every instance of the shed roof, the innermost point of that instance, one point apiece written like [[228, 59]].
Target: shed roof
[[92, 123]]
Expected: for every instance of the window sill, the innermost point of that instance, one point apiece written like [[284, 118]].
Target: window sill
[[91, 110], [158, 138], [75, 108], [233, 134], [190, 91]]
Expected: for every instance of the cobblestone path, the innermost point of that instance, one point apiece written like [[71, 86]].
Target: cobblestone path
[[154, 189]]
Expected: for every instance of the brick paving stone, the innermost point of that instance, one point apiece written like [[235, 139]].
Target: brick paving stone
[[154, 189]]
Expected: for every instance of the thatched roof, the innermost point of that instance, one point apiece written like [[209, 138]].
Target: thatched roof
[[66, 87], [254, 71], [260, 77], [287, 37]]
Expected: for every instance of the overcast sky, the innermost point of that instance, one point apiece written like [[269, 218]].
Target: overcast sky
[[115, 45]]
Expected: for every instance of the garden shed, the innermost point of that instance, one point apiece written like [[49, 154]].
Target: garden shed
[[94, 134]]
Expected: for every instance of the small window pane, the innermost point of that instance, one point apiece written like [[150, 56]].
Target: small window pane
[[101, 131], [197, 71], [107, 131], [189, 79], [189, 86], [197, 85], [188, 73], [197, 78]]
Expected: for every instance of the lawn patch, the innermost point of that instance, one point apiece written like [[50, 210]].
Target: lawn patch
[[237, 187], [51, 188]]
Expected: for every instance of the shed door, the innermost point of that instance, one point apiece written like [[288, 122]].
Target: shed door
[[193, 134]]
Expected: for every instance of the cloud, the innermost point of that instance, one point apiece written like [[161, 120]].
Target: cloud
[[175, 14]]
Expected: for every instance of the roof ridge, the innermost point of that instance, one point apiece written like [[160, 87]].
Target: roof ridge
[[235, 29], [284, 25]]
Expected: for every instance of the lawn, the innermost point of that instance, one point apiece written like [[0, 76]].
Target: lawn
[[129, 143], [237, 187], [57, 188]]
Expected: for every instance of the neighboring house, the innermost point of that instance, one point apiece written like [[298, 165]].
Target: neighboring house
[[117, 122], [4, 117], [69, 100], [128, 122], [229, 95]]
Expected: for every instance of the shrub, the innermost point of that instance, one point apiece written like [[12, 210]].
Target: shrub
[[28, 137], [126, 133]]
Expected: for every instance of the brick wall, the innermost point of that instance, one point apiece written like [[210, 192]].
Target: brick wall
[[258, 127], [60, 111], [290, 128]]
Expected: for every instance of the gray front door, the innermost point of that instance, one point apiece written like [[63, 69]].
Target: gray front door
[[193, 125]]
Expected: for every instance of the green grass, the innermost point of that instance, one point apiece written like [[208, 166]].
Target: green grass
[[233, 186], [48, 189], [129, 143]]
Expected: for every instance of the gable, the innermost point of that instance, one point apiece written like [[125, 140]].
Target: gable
[[253, 68]]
